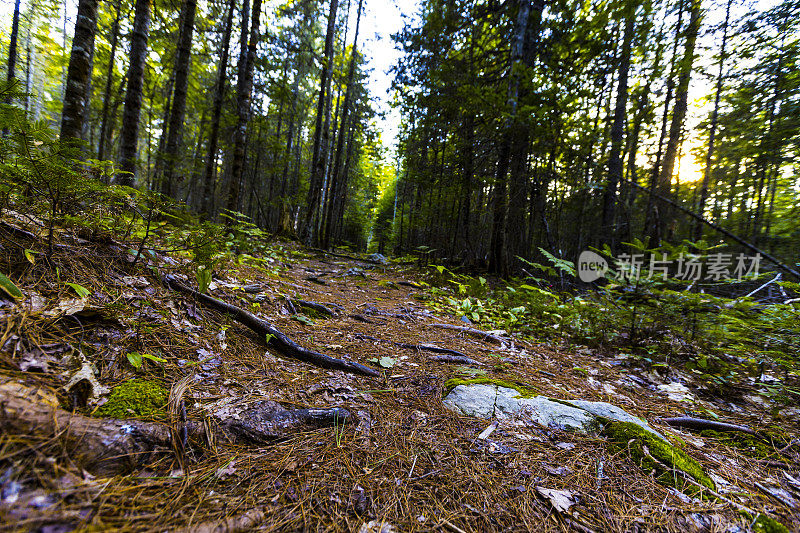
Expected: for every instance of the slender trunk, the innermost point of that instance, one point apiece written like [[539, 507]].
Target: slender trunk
[[243, 98], [12, 46], [129, 137], [175, 129], [712, 129], [679, 111], [216, 114], [79, 72], [498, 260], [318, 156], [101, 149], [348, 95], [617, 132]]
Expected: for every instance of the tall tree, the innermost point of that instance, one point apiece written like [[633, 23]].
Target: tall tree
[[320, 133], [678, 114], [178, 108], [243, 100], [618, 128], [79, 72], [129, 137], [712, 127], [216, 113], [104, 125], [335, 186], [12, 45]]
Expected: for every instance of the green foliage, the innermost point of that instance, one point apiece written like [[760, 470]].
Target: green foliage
[[137, 359], [8, 287], [137, 398]]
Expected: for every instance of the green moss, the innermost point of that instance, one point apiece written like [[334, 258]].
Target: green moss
[[747, 444], [135, 399], [631, 437], [524, 392], [765, 524]]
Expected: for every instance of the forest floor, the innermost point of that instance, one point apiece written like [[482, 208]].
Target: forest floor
[[403, 460]]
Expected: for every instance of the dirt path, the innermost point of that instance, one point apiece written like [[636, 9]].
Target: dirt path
[[405, 459]]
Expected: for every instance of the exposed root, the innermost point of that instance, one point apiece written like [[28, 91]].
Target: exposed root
[[277, 338], [472, 331], [699, 424], [418, 347]]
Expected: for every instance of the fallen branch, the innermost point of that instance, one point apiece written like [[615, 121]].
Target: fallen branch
[[420, 347], [472, 331], [699, 424], [277, 339]]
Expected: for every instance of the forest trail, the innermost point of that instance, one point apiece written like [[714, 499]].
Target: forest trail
[[404, 459]]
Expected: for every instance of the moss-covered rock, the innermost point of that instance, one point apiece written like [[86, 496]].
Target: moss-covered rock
[[631, 437], [137, 398], [524, 392]]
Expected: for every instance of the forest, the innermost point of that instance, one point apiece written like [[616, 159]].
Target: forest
[[548, 281]]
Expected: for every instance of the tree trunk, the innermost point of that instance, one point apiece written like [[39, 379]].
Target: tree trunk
[[498, 262], [617, 132], [102, 143], [679, 112], [712, 130], [320, 137], [12, 46], [243, 99], [216, 113], [348, 95], [79, 72], [175, 129], [129, 136]]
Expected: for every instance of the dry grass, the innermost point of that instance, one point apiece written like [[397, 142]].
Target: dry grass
[[410, 462]]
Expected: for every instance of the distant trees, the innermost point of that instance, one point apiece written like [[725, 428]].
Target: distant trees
[[79, 72]]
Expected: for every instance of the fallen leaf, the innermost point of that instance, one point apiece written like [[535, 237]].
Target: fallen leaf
[[9, 288], [67, 307], [561, 500]]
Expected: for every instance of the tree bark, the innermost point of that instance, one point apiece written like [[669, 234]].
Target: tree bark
[[79, 72], [207, 205], [244, 97], [129, 136]]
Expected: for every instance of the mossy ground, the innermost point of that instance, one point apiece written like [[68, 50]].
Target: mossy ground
[[765, 524], [524, 392], [627, 435], [135, 399]]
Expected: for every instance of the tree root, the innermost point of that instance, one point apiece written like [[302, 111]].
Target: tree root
[[319, 308], [106, 446], [452, 357], [699, 424], [456, 359], [472, 331], [276, 338]]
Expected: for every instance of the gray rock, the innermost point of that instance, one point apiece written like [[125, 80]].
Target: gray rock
[[612, 412], [494, 401], [488, 401], [378, 258]]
